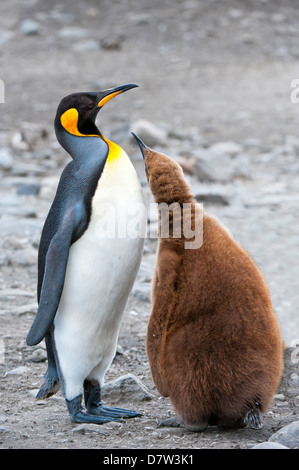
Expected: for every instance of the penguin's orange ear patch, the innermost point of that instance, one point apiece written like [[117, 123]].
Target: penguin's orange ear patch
[[69, 120]]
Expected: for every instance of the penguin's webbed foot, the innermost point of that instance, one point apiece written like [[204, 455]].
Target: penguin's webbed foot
[[93, 403], [254, 418], [111, 412], [77, 415]]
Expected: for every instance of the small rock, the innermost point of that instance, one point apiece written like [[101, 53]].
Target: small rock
[[6, 159], [226, 148], [149, 133], [112, 43], [27, 189], [72, 32], [13, 243], [235, 13], [269, 445], [25, 258], [38, 355], [126, 387], [294, 382], [142, 291], [215, 199], [5, 259], [187, 164], [4, 37], [220, 167], [288, 435], [247, 38], [29, 27], [278, 18], [17, 371], [87, 428], [4, 430], [87, 45], [279, 396]]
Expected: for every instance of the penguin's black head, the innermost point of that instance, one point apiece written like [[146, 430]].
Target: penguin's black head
[[77, 112]]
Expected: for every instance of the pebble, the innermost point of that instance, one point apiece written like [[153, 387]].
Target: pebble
[[89, 428], [4, 430], [287, 436], [220, 167], [269, 445], [149, 133], [29, 27], [279, 396], [226, 148], [27, 189], [17, 371], [86, 45], [294, 382], [72, 32], [6, 159], [127, 386], [38, 355]]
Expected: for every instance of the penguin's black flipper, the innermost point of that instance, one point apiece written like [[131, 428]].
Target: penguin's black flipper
[[53, 279]]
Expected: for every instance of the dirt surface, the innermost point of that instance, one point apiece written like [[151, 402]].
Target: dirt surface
[[208, 72]]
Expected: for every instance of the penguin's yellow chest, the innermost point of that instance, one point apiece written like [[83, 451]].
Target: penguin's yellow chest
[[118, 197]]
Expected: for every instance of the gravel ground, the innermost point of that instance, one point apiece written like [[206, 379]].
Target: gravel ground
[[215, 86]]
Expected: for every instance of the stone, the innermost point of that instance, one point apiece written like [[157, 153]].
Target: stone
[[17, 371], [226, 148], [38, 355], [142, 291], [149, 133], [126, 387], [29, 27], [4, 37], [294, 380], [72, 32], [6, 159], [212, 168], [269, 445], [287, 436], [26, 257], [89, 428], [4, 430], [187, 164], [27, 189], [112, 43], [279, 396], [219, 167], [86, 45], [24, 309], [212, 198]]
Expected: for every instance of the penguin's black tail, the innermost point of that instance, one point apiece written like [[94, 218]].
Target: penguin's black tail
[[50, 385]]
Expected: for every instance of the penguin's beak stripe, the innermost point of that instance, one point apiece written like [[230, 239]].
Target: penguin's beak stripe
[[114, 92], [108, 98]]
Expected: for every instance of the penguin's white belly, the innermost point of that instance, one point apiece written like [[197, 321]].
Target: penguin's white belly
[[101, 270]]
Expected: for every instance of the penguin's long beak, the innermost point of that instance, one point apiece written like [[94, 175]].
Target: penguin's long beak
[[107, 95], [141, 144]]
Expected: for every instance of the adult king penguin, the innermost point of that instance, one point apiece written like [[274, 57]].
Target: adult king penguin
[[84, 274]]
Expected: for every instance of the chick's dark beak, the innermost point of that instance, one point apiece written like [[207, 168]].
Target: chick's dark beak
[[141, 144]]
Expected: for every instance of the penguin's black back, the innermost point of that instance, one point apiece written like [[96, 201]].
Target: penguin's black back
[[76, 187]]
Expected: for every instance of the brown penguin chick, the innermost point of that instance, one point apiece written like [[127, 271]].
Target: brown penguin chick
[[213, 341]]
